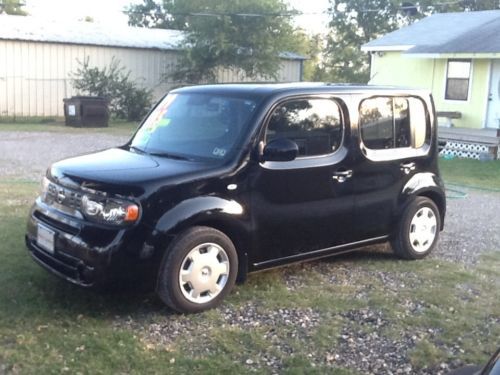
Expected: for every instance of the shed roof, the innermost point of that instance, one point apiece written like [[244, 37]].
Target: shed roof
[[464, 32], [88, 33]]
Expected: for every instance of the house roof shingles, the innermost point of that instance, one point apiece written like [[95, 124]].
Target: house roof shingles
[[465, 32]]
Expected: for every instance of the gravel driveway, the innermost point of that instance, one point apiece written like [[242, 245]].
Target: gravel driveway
[[27, 155]]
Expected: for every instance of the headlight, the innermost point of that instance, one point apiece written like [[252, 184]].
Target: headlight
[[109, 211], [44, 187]]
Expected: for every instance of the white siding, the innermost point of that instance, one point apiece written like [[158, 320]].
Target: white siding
[[36, 77]]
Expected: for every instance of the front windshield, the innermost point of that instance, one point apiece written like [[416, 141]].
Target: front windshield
[[194, 126]]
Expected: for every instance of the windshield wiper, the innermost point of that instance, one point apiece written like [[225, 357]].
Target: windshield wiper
[[140, 150], [170, 156]]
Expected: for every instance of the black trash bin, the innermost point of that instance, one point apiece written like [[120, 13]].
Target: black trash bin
[[86, 111]]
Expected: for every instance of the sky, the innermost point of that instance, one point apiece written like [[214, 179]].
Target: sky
[[110, 11]]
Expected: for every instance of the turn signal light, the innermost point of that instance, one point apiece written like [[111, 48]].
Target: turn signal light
[[132, 213]]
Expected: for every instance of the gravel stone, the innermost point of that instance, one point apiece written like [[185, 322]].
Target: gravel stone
[[471, 227]]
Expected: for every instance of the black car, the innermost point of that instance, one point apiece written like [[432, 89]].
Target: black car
[[223, 180], [491, 368]]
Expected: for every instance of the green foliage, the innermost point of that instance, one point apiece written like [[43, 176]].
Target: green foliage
[[221, 34], [12, 7], [437, 6], [249, 44], [127, 100], [307, 45], [354, 23], [155, 15]]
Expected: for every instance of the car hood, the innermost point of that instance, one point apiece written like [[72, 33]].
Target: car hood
[[118, 170]]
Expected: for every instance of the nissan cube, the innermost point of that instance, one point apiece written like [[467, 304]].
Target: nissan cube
[[222, 180]]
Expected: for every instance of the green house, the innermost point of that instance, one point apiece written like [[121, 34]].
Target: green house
[[454, 55]]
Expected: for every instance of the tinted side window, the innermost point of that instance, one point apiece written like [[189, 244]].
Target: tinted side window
[[314, 124], [392, 123], [402, 136], [376, 123]]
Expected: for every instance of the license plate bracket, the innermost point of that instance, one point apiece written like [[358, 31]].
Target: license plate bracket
[[45, 238]]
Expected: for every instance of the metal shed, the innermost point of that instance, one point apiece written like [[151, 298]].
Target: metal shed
[[38, 58]]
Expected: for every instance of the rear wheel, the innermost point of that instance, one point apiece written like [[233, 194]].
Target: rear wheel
[[198, 270], [418, 230]]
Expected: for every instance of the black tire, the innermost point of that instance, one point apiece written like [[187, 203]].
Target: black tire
[[169, 283], [401, 243]]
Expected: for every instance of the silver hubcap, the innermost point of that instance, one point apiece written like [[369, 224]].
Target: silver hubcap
[[204, 273], [423, 229]]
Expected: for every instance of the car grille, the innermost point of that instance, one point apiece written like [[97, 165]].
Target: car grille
[[56, 224], [63, 196]]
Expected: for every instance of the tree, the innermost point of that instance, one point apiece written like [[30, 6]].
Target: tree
[[13, 7], [246, 35], [309, 46], [152, 14], [439, 6], [126, 100], [356, 22]]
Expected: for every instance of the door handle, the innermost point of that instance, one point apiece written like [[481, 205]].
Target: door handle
[[407, 167], [342, 176]]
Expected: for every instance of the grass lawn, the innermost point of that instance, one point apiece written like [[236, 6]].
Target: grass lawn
[[115, 127], [483, 174], [447, 311], [444, 310]]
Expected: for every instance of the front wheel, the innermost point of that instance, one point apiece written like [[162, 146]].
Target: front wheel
[[198, 270], [418, 230]]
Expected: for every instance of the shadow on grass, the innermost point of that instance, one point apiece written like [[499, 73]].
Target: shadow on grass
[[40, 293]]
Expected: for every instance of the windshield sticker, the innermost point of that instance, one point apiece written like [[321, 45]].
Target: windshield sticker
[[220, 152], [163, 122], [158, 117]]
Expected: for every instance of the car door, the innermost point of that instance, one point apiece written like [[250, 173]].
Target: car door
[[394, 141], [305, 205]]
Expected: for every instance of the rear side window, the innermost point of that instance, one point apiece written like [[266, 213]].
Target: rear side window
[[393, 122], [316, 125]]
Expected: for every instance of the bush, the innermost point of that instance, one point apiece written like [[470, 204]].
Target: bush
[[126, 99]]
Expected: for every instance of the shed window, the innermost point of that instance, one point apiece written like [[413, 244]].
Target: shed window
[[458, 80]]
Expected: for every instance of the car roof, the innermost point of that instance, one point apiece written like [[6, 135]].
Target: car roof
[[297, 88]]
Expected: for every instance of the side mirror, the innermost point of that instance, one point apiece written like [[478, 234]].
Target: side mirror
[[280, 149]]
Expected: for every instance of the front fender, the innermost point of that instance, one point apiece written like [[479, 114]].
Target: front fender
[[228, 216], [198, 209]]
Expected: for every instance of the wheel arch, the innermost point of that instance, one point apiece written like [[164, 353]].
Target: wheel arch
[[227, 216], [438, 200], [428, 185]]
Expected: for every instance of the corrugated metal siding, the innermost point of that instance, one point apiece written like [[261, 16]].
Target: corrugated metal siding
[[36, 77], [290, 72]]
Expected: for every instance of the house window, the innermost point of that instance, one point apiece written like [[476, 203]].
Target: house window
[[458, 80]]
